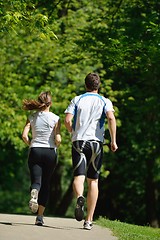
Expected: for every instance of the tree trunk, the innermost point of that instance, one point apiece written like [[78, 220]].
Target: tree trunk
[[66, 201], [55, 190], [151, 201]]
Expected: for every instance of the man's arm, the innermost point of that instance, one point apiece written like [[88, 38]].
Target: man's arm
[[68, 121], [112, 129]]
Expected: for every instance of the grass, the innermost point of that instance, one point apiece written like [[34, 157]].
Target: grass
[[125, 231]]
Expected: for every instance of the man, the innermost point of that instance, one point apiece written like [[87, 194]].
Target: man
[[88, 112]]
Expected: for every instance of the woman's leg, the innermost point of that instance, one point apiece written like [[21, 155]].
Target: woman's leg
[[36, 176], [35, 168], [48, 166]]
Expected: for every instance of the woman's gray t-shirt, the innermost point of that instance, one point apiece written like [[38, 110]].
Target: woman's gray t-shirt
[[42, 125]]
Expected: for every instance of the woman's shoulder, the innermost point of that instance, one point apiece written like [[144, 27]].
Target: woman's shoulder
[[53, 115], [32, 115]]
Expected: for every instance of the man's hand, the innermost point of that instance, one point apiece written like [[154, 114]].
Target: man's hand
[[114, 147]]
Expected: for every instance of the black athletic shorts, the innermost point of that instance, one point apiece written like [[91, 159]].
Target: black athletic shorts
[[87, 158]]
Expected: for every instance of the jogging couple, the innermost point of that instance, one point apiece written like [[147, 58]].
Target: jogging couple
[[84, 119]]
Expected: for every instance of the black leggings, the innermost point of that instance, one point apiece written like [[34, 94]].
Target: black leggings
[[42, 162]]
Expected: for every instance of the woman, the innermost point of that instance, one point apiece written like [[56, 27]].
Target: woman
[[42, 159]]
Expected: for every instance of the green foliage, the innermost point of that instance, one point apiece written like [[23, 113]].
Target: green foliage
[[10, 202], [29, 16]]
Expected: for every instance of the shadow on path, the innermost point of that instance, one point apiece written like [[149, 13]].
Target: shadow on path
[[44, 226]]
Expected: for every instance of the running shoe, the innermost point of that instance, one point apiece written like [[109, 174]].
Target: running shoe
[[79, 211], [39, 221], [33, 203], [87, 225]]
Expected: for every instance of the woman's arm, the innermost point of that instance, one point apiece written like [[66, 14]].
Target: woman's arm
[[26, 132], [57, 133]]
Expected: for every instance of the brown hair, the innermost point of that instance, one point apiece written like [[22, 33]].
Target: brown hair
[[44, 100], [92, 81]]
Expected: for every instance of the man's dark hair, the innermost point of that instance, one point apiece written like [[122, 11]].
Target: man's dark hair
[[92, 81]]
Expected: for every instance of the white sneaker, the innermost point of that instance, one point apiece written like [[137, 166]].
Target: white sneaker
[[33, 203], [87, 225]]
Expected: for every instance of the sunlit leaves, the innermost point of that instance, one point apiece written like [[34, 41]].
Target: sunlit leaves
[[26, 16]]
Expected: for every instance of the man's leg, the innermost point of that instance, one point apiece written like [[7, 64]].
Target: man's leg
[[92, 197], [79, 167], [78, 185]]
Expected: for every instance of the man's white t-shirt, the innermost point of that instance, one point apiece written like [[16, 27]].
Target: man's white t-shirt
[[89, 112], [42, 125]]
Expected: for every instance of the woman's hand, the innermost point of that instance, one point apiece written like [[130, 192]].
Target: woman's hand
[[58, 140]]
